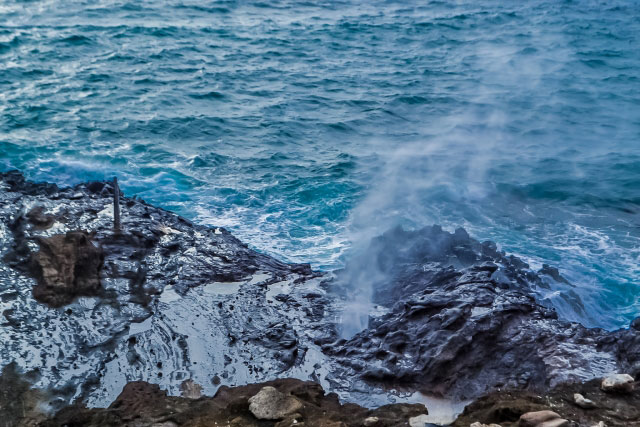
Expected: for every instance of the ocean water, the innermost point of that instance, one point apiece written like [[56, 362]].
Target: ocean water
[[307, 127]]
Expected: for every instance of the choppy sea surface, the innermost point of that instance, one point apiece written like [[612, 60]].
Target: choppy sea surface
[[307, 127]]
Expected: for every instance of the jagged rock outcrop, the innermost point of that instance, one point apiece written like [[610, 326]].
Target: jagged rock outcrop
[[146, 405], [463, 321], [163, 299], [173, 303], [505, 408], [66, 266]]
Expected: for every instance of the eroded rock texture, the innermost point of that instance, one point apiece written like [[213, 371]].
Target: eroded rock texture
[[19, 403], [505, 408], [145, 405], [463, 320], [163, 300], [172, 303], [66, 266]]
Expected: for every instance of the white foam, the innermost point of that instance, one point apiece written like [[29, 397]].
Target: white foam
[[441, 411]]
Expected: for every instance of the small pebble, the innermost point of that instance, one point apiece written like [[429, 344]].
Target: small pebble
[[583, 402], [370, 421]]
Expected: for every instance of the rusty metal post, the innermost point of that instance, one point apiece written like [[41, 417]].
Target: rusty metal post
[[116, 205]]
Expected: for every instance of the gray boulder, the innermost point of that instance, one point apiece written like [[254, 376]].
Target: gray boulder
[[618, 383], [270, 404]]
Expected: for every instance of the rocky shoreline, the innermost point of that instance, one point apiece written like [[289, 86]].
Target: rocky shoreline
[[164, 305]]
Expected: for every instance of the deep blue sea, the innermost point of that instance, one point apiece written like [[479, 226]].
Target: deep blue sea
[[307, 127]]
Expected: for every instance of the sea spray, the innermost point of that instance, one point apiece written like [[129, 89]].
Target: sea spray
[[450, 165]]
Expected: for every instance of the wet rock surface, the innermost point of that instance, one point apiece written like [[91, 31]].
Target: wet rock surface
[[87, 310], [143, 404], [19, 403], [507, 407], [463, 321], [66, 266]]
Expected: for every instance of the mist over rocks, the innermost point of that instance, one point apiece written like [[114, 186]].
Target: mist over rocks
[[400, 262], [181, 303], [462, 321]]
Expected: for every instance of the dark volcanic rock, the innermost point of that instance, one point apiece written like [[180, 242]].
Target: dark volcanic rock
[[463, 321], [145, 405], [505, 408], [66, 266], [39, 218], [181, 303], [162, 300], [18, 401]]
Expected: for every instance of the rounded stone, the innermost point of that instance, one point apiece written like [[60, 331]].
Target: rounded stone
[[270, 404], [583, 402], [617, 383], [538, 418], [370, 421]]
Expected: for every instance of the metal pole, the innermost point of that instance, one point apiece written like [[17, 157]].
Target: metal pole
[[116, 204]]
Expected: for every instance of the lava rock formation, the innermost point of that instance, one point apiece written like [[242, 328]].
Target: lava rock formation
[[87, 310]]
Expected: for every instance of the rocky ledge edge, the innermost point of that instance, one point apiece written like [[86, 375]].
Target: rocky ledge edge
[[613, 401], [86, 310]]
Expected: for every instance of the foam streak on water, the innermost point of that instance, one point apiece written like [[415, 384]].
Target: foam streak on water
[[306, 127]]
